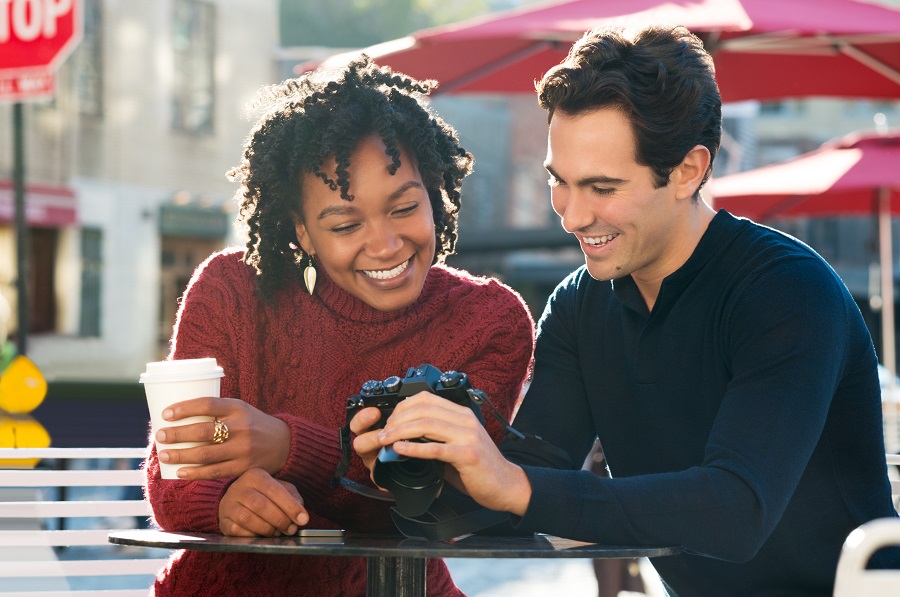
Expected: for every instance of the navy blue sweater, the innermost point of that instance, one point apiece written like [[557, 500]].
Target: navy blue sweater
[[741, 418]]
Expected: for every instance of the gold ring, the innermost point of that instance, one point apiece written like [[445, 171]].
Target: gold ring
[[220, 434]]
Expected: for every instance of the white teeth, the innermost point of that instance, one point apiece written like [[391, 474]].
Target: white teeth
[[386, 274], [599, 240]]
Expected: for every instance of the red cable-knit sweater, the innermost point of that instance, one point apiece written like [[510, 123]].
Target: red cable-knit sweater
[[300, 360]]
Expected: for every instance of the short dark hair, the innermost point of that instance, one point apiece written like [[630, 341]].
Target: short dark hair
[[661, 78], [306, 120]]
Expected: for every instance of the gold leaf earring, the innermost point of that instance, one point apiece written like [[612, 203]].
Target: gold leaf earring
[[309, 275]]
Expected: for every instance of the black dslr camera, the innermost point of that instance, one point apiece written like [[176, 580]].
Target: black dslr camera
[[414, 482]]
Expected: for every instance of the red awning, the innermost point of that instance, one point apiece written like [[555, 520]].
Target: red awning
[[762, 49], [45, 205]]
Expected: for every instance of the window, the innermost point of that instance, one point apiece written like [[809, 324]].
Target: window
[[179, 257], [783, 108], [42, 279], [862, 108], [824, 237], [193, 43], [89, 62], [91, 279]]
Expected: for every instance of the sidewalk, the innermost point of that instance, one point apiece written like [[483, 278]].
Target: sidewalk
[[523, 577], [534, 577]]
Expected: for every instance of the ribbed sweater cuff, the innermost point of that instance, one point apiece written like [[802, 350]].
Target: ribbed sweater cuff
[[315, 453], [204, 509]]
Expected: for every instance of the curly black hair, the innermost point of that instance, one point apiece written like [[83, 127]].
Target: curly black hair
[[306, 120]]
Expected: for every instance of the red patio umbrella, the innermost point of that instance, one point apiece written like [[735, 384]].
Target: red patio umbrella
[[763, 49], [855, 175], [845, 176]]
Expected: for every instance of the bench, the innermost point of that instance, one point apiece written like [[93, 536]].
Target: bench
[[54, 521]]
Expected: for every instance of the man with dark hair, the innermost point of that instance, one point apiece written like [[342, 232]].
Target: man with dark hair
[[723, 365]]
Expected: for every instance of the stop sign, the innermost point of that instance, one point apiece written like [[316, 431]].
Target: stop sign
[[37, 34]]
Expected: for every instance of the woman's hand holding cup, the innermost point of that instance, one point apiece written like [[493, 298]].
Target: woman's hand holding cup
[[248, 438]]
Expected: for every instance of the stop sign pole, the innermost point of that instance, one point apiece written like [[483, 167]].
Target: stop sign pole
[[35, 38], [22, 262]]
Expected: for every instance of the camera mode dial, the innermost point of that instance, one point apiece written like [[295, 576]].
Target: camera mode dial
[[372, 388]]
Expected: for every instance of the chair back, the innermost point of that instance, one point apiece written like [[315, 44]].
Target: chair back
[[852, 578], [54, 522]]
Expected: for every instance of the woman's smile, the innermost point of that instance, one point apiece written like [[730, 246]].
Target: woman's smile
[[387, 274]]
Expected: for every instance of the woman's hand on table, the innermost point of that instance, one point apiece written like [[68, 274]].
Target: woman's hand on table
[[258, 505], [457, 438], [255, 439]]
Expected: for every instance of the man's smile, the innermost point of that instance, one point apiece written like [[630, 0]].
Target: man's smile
[[598, 241]]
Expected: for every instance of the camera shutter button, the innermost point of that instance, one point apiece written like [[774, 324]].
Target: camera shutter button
[[450, 379]]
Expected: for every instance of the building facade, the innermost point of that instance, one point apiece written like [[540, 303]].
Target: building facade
[[126, 190]]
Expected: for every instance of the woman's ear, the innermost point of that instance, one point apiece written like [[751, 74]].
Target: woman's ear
[[303, 238], [690, 172]]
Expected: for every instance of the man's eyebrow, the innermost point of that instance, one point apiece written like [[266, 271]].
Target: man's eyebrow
[[599, 179], [588, 180]]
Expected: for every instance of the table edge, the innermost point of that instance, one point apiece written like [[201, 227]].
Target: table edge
[[556, 548]]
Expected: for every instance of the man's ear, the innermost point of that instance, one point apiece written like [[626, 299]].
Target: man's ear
[[690, 172]]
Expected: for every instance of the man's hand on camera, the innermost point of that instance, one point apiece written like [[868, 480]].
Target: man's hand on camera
[[457, 438]]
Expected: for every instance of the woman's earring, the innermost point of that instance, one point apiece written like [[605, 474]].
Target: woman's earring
[[309, 275]]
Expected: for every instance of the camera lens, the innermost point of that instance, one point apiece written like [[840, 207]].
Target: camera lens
[[412, 471], [414, 482]]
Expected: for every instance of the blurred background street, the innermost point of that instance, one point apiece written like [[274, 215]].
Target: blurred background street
[[124, 165], [538, 578]]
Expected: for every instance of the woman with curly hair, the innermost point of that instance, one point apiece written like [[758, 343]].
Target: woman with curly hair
[[349, 191]]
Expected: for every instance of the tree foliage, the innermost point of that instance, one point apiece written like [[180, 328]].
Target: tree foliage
[[358, 23]]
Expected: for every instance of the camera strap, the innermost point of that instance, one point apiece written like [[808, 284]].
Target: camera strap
[[441, 522], [344, 465], [371, 492]]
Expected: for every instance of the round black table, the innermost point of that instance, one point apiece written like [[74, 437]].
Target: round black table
[[396, 564]]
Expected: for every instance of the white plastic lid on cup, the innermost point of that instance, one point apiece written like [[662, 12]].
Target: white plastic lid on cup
[[181, 370]]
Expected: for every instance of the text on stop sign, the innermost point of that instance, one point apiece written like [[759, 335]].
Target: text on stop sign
[[26, 20]]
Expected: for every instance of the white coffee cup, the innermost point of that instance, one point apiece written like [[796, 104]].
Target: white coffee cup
[[168, 382]]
